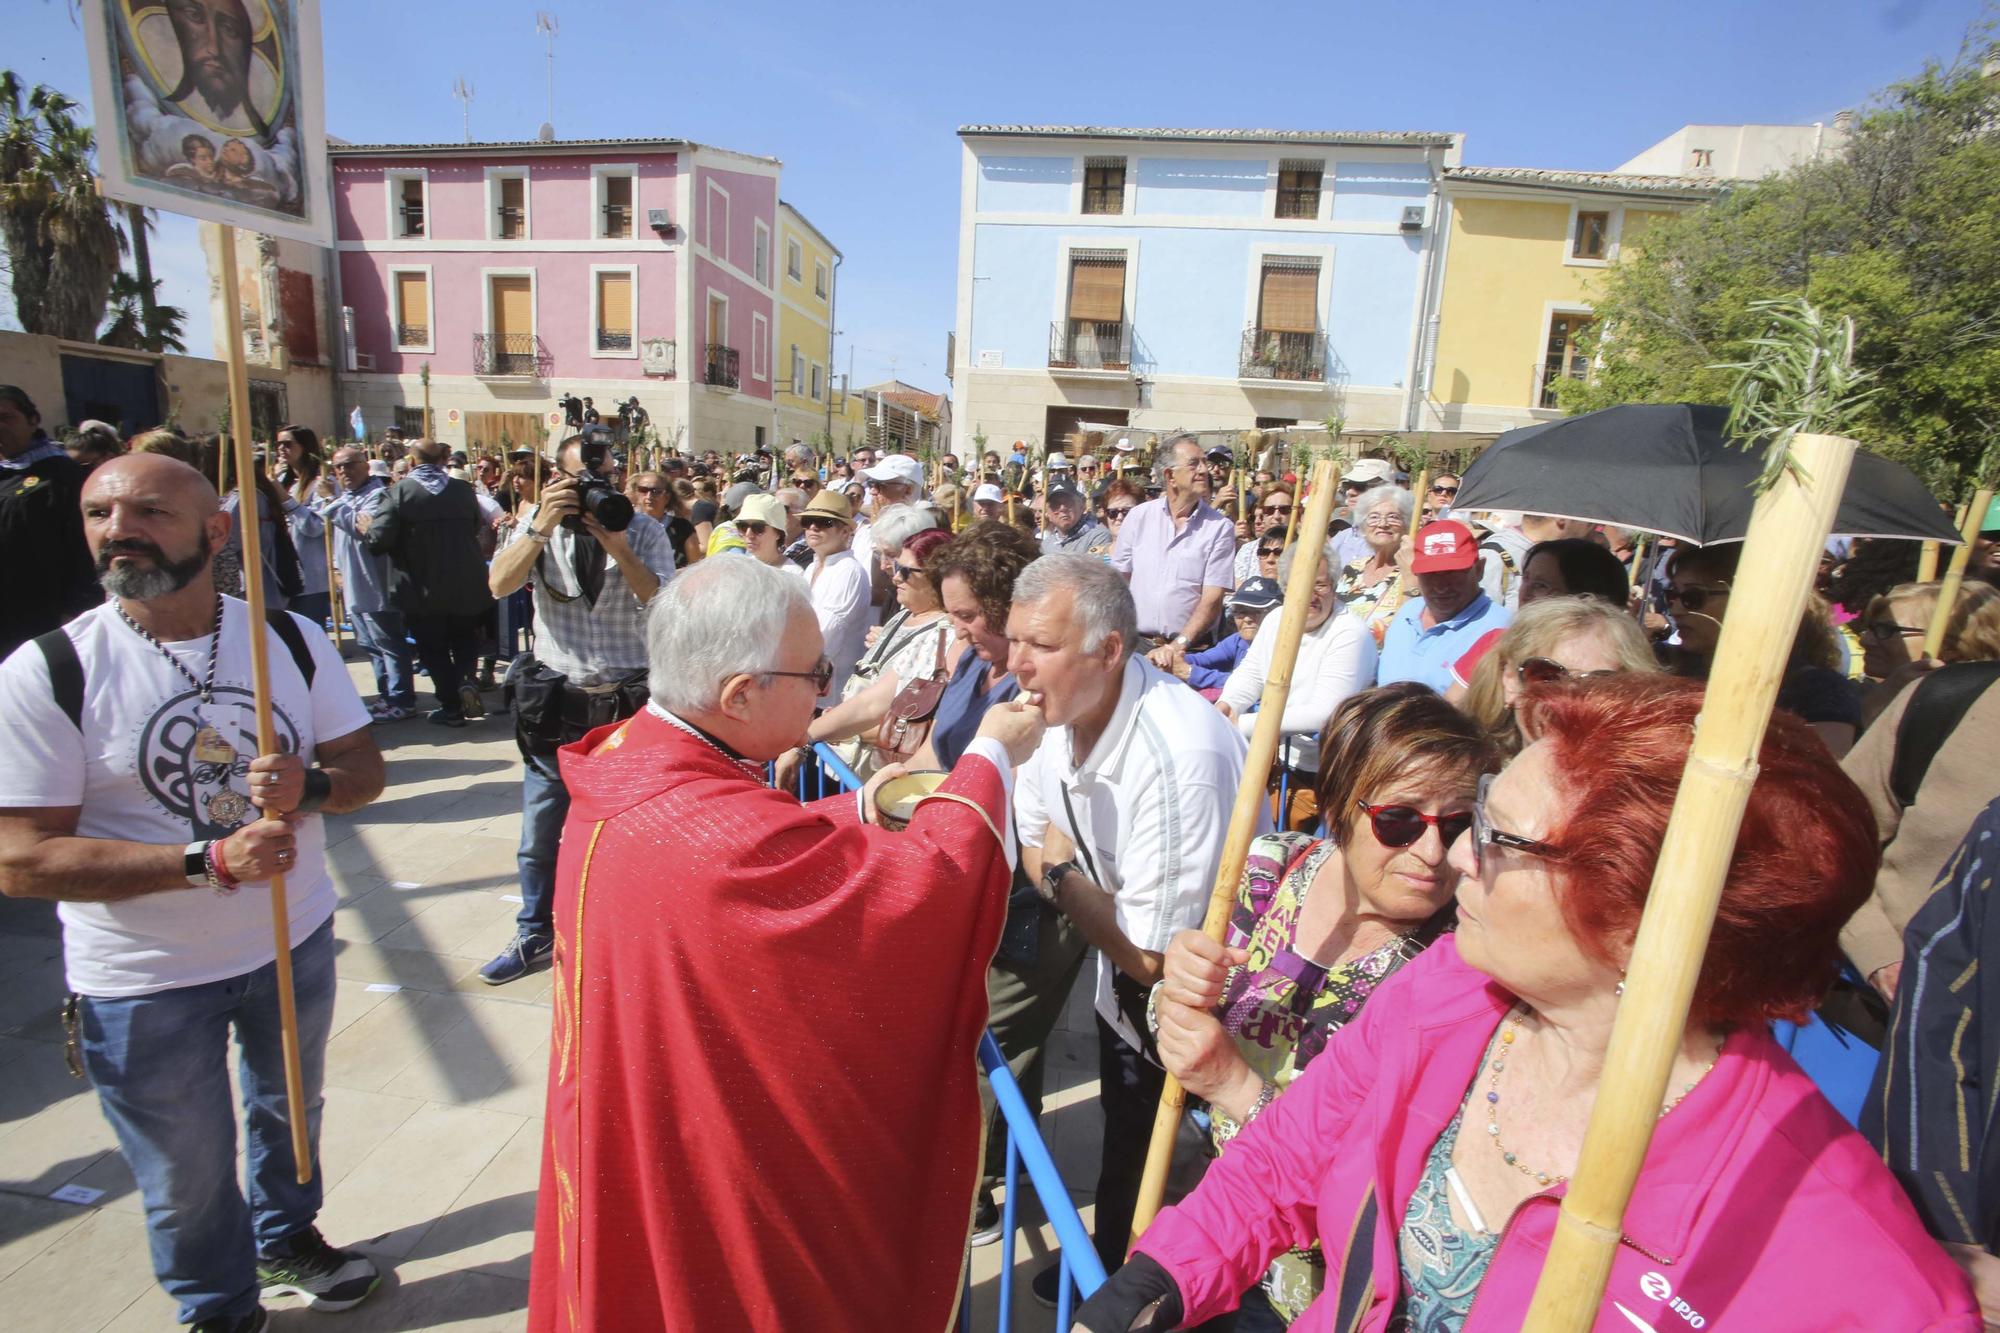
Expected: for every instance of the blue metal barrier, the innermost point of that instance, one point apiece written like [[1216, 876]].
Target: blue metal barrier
[[1082, 1270]]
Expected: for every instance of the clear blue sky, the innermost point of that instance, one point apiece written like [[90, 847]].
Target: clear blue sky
[[861, 102]]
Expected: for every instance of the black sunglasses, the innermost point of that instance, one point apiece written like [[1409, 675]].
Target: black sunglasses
[[821, 675], [650, 490], [750, 527], [1114, 514], [1546, 671], [1401, 825], [1275, 509], [907, 572], [1695, 596], [1266, 552], [1889, 629], [819, 521], [1444, 490]]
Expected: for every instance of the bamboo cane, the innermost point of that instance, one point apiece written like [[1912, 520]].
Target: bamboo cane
[[1788, 531], [1927, 562], [1423, 489], [260, 683], [1243, 817], [1954, 576], [332, 585]]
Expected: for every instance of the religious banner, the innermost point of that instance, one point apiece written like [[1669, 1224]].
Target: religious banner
[[213, 109]]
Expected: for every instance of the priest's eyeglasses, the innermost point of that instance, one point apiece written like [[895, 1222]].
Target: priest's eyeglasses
[[821, 675]]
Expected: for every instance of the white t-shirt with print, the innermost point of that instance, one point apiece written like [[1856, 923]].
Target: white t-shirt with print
[[136, 774]]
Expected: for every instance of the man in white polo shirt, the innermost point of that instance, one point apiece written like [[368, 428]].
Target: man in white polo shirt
[[1139, 773], [130, 797]]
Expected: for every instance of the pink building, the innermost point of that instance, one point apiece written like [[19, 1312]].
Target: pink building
[[519, 272]]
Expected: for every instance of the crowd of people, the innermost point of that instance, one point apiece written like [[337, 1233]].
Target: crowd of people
[[766, 1006]]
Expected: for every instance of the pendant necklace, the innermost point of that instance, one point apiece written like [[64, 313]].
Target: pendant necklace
[[226, 807]]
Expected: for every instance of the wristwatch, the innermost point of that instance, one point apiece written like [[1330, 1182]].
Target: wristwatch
[[1052, 878], [194, 864], [1179, 641]]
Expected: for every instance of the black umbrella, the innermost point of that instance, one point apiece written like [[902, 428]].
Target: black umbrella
[[1669, 468]]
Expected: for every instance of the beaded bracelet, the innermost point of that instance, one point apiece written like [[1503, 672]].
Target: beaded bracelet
[[219, 877]]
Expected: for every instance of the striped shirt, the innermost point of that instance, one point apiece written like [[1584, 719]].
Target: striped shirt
[[1153, 797]]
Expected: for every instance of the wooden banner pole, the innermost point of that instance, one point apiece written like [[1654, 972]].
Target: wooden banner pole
[[1954, 576], [1249, 801], [260, 682], [1788, 531], [332, 584]]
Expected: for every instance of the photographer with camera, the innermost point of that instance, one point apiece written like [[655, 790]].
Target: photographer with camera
[[596, 565]]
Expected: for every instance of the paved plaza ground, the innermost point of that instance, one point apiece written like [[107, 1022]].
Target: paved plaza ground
[[432, 1141]]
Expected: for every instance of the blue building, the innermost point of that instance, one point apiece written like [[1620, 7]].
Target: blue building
[[1199, 279]]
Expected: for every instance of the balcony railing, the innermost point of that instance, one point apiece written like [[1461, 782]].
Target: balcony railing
[[1273, 354], [617, 220], [609, 341], [513, 222], [1090, 344], [413, 335], [720, 366], [413, 219], [508, 354]]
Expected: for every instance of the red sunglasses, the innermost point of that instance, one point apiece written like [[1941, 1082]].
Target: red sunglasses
[[1401, 825]]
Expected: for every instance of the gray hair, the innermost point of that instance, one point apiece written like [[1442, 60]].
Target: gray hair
[[1163, 457], [798, 453], [1103, 604], [1326, 555], [1367, 502], [898, 523], [790, 495], [723, 617]]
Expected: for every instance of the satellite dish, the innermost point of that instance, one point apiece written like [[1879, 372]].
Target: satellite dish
[[547, 133]]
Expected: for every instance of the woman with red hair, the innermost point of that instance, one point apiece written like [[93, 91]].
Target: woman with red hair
[[1429, 1147]]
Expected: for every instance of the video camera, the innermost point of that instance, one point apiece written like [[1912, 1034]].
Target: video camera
[[595, 496]]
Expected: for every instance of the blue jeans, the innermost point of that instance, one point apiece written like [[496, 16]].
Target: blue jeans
[[544, 807], [380, 634], [160, 1064]]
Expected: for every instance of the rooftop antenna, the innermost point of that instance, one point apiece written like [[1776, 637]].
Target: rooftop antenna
[[546, 26], [464, 92]]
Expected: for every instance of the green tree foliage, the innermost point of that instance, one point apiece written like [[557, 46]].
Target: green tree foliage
[[1901, 233], [61, 242], [129, 324]]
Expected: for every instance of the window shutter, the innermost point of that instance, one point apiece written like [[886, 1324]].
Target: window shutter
[[614, 302], [412, 300], [1097, 285], [1289, 299]]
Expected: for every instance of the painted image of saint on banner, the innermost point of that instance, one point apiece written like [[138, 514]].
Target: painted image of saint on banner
[[209, 92]]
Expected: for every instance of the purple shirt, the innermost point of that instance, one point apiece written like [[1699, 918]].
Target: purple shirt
[[1173, 567]]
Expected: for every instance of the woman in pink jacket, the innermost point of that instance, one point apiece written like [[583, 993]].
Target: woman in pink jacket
[[1428, 1149]]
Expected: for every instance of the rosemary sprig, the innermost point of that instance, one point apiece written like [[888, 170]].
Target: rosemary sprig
[[1800, 377]]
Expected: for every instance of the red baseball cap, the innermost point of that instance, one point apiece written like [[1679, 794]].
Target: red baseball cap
[[1444, 546]]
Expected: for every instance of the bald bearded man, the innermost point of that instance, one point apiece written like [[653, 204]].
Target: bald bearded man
[[140, 806]]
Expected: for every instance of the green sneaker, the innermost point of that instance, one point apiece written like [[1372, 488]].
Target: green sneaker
[[325, 1278]]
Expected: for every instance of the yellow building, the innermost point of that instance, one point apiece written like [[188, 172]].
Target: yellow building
[[1523, 252], [804, 389]]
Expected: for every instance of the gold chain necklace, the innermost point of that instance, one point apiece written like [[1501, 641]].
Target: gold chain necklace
[[1510, 1029]]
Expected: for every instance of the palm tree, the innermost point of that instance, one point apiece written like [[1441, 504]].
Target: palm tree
[[61, 242], [140, 324]]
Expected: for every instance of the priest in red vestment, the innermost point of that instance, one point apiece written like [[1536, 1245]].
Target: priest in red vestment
[[762, 1111]]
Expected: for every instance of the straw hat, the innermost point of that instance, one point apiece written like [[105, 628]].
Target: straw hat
[[829, 504]]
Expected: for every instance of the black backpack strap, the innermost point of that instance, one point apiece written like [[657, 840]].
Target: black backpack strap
[[65, 674], [295, 642], [1939, 704]]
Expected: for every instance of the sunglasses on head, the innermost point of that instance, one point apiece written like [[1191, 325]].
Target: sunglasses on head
[[1117, 512], [750, 527], [1695, 596], [1402, 825], [1546, 671], [821, 675]]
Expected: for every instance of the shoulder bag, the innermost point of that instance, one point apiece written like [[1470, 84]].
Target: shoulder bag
[[907, 725]]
